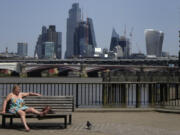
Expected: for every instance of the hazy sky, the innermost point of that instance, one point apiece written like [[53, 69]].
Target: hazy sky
[[21, 20]]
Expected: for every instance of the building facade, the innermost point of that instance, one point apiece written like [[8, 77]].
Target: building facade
[[72, 22], [48, 49], [84, 39], [22, 49], [49, 36], [154, 42], [121, 41]]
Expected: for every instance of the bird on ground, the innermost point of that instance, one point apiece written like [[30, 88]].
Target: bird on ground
[[89, 125]]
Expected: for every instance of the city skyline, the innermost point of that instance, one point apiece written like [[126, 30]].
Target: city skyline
[[21, 21]]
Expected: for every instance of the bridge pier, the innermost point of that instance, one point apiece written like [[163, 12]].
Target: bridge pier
[[23, 72], [83, 72]]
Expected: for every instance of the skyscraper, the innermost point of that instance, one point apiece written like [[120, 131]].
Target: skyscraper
[[72, 22], [125, 45], [120, 41], [114, 40], [154, 41], [49, 37], [84, 39], [92, 38], [48, 49], [22, 49]]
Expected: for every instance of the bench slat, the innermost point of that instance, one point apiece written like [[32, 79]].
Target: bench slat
[[57, 110], [49, 97], [44, 102]]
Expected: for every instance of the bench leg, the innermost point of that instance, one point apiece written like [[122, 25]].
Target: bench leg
[[3, 121], [11, 121], [65, 122], [70, 119]]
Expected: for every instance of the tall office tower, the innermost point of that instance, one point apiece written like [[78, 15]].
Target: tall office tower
[[72, 22], [124, 43], [46, 38], [48, 49], [121, 41], [92, 38], [84, 39], [22, 49], [114, 40], [154, 41], [59, 45]]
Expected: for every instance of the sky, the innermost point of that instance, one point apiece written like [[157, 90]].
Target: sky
[[21, 21]]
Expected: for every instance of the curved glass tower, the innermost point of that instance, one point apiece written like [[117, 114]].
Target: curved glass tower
[[154, 41]]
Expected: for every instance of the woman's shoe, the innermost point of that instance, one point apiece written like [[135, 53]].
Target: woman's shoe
[[46, 110]]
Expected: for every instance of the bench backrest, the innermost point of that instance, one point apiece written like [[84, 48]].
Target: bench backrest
[[57, 103]]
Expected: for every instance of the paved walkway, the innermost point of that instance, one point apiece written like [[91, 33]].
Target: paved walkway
[[109, 123]]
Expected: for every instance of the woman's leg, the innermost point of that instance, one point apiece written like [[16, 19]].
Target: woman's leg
[[32, 110], [23, 119]]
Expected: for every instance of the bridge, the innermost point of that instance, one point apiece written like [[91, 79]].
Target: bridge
[[91, 67], [154, 62]]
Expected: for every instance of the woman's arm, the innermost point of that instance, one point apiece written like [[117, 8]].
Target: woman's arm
[[34, 94], [5, 103], [30, 94]]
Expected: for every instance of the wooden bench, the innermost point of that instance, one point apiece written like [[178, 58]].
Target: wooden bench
[[62, 106]]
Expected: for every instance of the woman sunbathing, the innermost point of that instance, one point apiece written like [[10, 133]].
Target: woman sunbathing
[[17, 105]]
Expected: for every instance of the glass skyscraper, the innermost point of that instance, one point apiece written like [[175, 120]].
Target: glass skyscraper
[[84, 39], [154, 41], [49, 49], [114, 40], [49, 35], [72, 22], [120, 41], [22, 49]]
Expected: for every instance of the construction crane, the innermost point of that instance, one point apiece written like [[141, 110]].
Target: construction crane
[[125, 30], [131, 32], [131, 35]]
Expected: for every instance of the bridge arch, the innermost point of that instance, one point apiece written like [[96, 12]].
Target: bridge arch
[[36, 71]]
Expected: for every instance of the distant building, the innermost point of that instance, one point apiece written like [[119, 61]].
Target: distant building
[[121, 41], [165, 54], [91, 33], [119, 52], [137, 56], [114, 40], [84, 39], [6, 54], [98, 52], [49, 50], [124, 43], [72, 22], [47, 36], [154, 42], [22, 49]]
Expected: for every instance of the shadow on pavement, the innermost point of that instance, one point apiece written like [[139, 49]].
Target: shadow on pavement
[[36, 126]]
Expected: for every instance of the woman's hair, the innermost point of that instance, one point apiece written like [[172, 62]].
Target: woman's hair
[[15, 86]]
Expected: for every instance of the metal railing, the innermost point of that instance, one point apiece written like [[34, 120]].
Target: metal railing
[[106, 94]]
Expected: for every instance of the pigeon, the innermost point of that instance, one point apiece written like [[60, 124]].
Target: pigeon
[[89, 125]]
